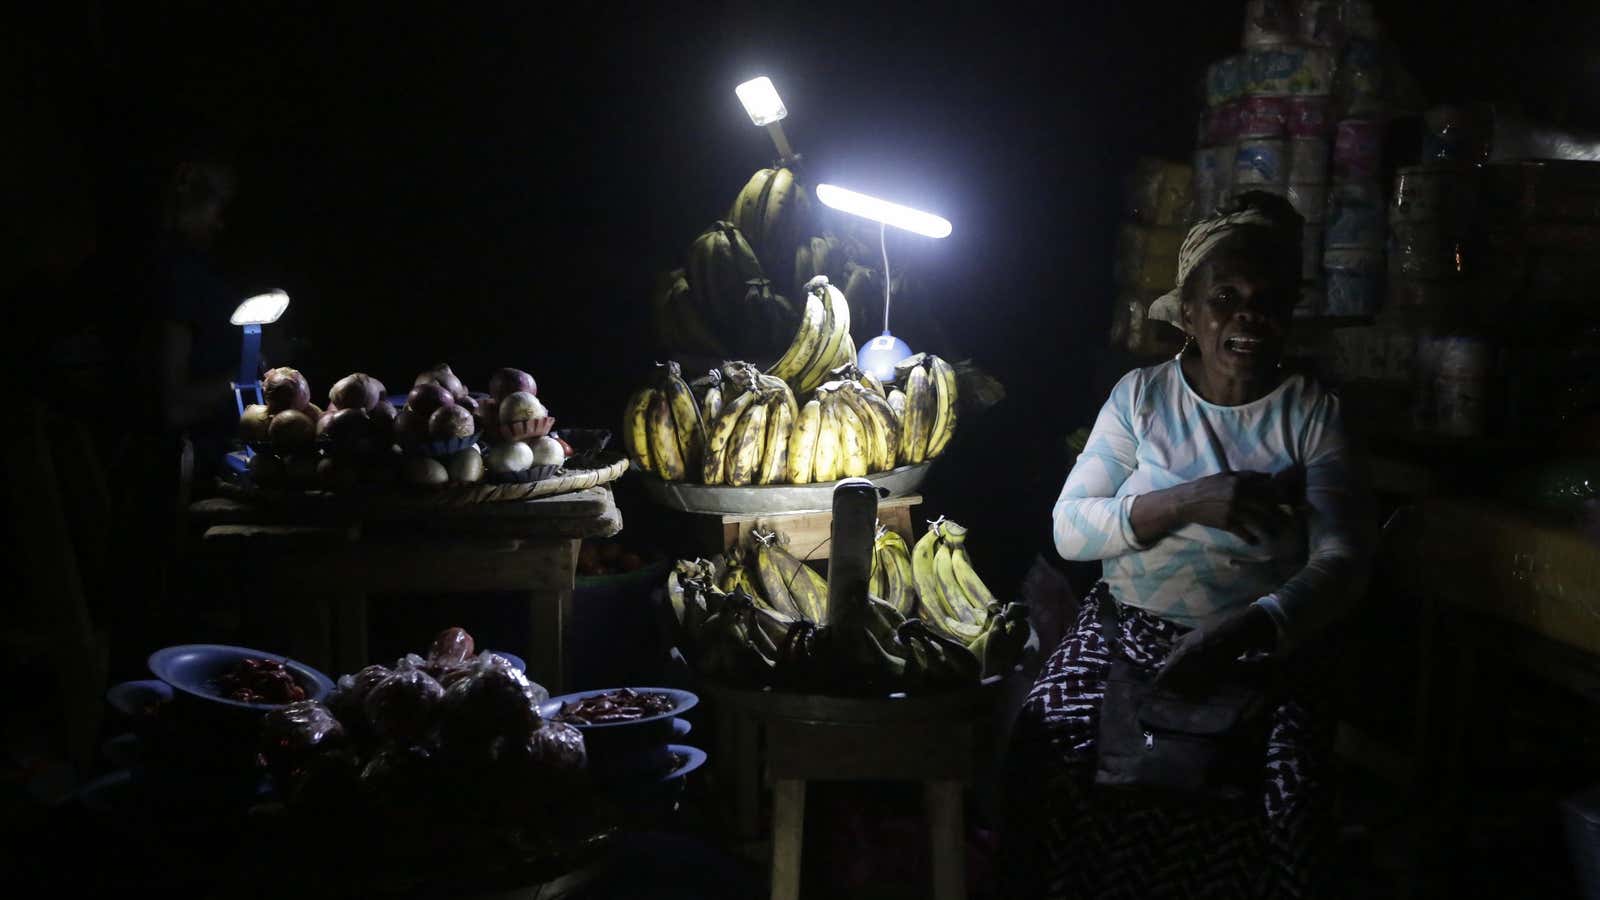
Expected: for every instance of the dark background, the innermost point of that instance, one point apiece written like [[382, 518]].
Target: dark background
[[497, 183]]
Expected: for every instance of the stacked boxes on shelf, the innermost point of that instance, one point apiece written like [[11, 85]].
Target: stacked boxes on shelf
[[1156, 203], [1309, 75]]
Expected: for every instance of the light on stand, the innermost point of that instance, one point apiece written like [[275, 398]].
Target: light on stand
[[879, 355], [262, 309], [762, 103]]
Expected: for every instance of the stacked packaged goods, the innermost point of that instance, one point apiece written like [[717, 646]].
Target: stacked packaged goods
[[1157, 202], [1268, 126]]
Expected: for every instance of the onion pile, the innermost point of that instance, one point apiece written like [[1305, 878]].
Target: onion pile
[[360, 429]]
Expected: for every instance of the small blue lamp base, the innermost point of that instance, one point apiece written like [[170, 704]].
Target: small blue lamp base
[[878, 356]]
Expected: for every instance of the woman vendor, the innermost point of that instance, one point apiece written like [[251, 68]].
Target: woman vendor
[[1222, 497]]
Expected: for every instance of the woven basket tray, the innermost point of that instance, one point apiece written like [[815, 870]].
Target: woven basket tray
[[603, 468]]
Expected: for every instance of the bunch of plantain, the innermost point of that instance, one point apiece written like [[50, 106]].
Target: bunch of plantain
[[680, 325], [819, 256], [756, 618], [748, 441], [733, 301], [891, 578], [928, 406], [822, 340], [954, 601], [785, 583], [662, 429], [774, 211], [845, 430]]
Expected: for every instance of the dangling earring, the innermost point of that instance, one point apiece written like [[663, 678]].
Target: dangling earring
[[1188, 342]]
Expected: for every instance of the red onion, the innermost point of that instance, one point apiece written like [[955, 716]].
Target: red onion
[[357, 391], [285, 388], [253, 424], [443, 377], [509, 381], [383, 418], [410, 425], [291, 428], [324, 422], [425, 398], [451, 422], [350, 425], [520, 406]]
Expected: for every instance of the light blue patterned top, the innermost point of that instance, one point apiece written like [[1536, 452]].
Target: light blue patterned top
[[1155, 432]]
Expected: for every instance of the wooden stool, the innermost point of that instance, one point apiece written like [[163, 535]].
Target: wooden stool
[[815, 738], [807, 531]]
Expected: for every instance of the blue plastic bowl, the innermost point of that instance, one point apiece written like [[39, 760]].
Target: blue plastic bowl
[[193, 669], [622, 749], [683, 701]]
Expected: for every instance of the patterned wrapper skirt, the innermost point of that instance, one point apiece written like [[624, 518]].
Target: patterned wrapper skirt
[[1067, 839]]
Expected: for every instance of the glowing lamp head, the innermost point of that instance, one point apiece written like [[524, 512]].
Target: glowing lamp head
[[761, 101], [262, 309], [913, 220], [878, 356]]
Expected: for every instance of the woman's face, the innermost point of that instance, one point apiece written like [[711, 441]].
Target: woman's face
[[1239, 315]]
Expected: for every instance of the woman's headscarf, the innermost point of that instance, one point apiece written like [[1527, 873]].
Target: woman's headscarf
[[1250, 210]]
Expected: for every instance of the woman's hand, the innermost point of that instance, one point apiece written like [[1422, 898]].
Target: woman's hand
[[1202, 656], [1247, 504]]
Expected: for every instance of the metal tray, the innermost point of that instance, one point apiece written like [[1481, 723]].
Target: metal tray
[[772, 499]]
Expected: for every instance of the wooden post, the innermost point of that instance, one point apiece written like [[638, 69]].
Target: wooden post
[[550, 610], [946, 838], [788, 834]]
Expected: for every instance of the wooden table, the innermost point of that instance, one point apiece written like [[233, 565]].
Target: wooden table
[[816, 738], [323, 562], [807, 531]]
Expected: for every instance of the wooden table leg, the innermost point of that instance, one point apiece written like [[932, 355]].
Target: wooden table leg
[[947, 838], [551, 612], [788, 833]]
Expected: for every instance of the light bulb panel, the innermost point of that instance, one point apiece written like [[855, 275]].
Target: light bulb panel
[[262, 309], [761, 100], [858, 204]]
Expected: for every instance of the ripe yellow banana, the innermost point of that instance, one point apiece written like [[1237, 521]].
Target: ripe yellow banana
[[872, 434], [664, 440], [744, 447], [686, 421], [816, 368], [803, 442], [977, 594], [711, 403], [781, 388], [944, 419], [940, 611], [714, 467], [872, 383], [636, 428], [853, 443], [828, 458], [918, 417], [891, 571], [889, 425], [897, 402], [809, 589], [773, 580], [954, 598], [775, 449], [780, 200], [749, 206]]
